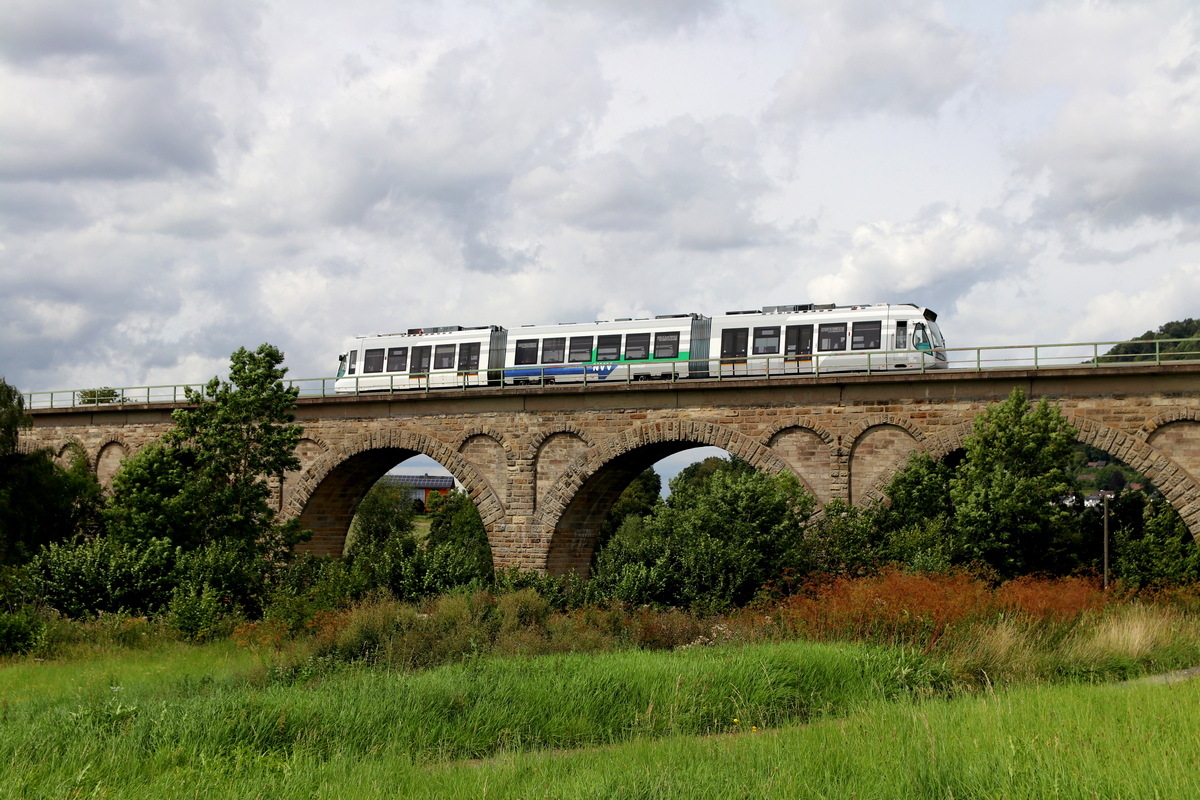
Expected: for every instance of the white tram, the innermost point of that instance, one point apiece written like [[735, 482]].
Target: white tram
[[776, 340]]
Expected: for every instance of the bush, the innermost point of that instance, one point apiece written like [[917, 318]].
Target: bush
[[104, 575], [20, 632], [201, 613], [711, 546]]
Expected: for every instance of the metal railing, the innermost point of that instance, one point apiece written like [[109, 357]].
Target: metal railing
[[960, 360]]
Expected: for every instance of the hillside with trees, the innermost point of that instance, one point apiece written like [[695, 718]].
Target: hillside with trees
[[1163, 344]]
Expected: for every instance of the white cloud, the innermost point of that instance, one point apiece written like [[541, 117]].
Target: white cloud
[[1124, 147], [932, 259], [181, 179], [1123, 313], [875, 56], [694, 182]]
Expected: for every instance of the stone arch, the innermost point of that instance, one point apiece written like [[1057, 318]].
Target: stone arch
[[937, 447], [810, 451], [496, 436], [62, 453], [109, 455], [1177, 485], [488, 455], [875, 455], [566, 427], [1166, 418], [327, 493], [574, 507], [310, 448], [947, 440], [553, 452], [850, 438], [1179, 440]]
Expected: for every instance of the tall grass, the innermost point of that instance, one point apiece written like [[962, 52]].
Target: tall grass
[[121, 735], [1035, 742], [1026, 629]]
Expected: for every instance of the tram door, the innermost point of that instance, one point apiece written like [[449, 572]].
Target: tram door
[[419, 368], [797, 347], [734, 342]]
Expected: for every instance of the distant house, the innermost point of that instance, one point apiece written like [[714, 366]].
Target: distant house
[[1097, 463], [420, 487]]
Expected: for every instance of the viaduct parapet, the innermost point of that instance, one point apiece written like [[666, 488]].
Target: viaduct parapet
[[544, 465]]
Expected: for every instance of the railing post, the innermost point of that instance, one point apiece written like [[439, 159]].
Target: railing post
[[1095, 354], [1035, 356], [1157, 353]]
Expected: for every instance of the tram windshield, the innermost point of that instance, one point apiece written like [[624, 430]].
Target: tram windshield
[[936, 332], [341, 365]]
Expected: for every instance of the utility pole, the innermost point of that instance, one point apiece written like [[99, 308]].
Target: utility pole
[[1106, 543]]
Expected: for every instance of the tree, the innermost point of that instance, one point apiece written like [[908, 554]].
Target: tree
[[386, 512], [209, 479], [917, 493], [639, 499], [456, 528], [1008, 492], [41, 502], [13, 418], [100, 396], [1145, 347], [715, 544], [1162, 552]]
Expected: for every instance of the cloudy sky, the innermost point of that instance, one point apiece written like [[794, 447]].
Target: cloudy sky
[[178, 179]]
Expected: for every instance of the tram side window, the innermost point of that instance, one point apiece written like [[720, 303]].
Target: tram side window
[[902, 334], [666, 345], [831, 336], [420, 360], [766, 341], [866, 336], [353, 360], [397, 359], [373, 360], [609, 348], [527, 351], [468, 357], [733, 342], [637, 346], [581, 349], [553, 350], [443, 356], [798, 340]]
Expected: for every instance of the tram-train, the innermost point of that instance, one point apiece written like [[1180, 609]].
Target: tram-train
[[774, 340]]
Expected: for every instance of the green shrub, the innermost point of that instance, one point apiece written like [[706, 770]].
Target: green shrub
[[20, 631], [104, 575], [201, 613], [712, 546], [231, 569]]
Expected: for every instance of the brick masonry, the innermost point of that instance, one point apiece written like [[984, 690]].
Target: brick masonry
[[544, 465]]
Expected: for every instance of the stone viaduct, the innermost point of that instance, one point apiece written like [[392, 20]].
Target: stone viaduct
[[544, 465]]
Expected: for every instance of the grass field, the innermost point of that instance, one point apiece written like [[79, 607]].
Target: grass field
[[132, 727], [916, 688], [216, 740]]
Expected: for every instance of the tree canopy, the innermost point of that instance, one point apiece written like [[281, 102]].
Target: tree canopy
[[1144, 347], [41, 501], [208, 480]]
